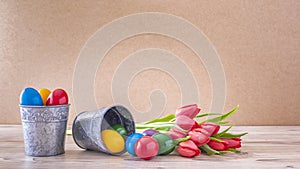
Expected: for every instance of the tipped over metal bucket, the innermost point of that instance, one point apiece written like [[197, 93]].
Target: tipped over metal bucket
[[88, 125], [44, 129]]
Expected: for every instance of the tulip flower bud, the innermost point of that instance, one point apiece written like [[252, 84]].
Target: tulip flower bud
[[232, 142], [186, 123], [176, 133], [188, 149], [189, 110], [219, 146], [201, 130], [199, 138], [211, 128]]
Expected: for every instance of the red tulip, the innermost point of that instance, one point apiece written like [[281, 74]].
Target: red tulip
[[186, 123], [176, 133], [198, 137], [225, 144], [219, 146], [211, 128], [188, 149], [189, 110], [233, 142]]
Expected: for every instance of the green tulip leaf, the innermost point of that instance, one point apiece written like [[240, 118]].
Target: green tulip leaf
[[166, 118], [207, 114], [223, 132], [222, 117], [222, 122], [229, 135]]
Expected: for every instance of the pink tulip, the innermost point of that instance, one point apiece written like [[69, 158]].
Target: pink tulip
[[189, 110], [188, 149], [175, 133], [219, 146], [211, 128], [186, 123], [225, 144], [201, 130], [198, 137], [232, 142]]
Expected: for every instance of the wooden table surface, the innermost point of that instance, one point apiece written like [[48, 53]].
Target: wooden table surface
[[264, 147]]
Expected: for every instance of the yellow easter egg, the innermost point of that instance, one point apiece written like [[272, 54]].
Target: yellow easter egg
[[113, 141], [44, 94]]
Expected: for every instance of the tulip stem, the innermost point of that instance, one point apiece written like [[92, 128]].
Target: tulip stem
[[161, 127], [209, 151], [215, 139], [230, 150], [177, 141]]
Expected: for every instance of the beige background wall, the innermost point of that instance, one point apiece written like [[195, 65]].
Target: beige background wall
[[258, 43]]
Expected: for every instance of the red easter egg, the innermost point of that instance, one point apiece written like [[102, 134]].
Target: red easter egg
[[146, 148], [57, 97]]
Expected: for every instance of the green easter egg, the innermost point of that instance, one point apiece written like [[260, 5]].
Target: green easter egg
[[120, 129], [166, 144]]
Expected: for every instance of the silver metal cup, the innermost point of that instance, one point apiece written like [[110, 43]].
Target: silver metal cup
[[87, 127], [44, 129]]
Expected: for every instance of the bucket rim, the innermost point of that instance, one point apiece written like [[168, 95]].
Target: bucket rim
[[55, 106], [73, 128]]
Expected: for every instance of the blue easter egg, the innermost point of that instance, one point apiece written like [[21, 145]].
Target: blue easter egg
[[130, 142], [31, 97]]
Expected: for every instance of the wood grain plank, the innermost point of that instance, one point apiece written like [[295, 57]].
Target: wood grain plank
[[264, 147]]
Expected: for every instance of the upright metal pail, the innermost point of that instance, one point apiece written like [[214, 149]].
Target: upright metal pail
[[44, 129]]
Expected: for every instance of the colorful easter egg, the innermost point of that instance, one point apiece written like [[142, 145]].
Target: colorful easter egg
[[57, 97], [165, 142], [120, 129], [130, 142], [113, 141], [31, 97], [44, 94], [146, 148], [150, 132]]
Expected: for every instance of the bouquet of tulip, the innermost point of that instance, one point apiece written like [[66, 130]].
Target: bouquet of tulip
[[191, 137]]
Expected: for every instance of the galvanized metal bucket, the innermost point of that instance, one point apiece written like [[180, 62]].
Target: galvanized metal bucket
[[44, 129], [88, 125]]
